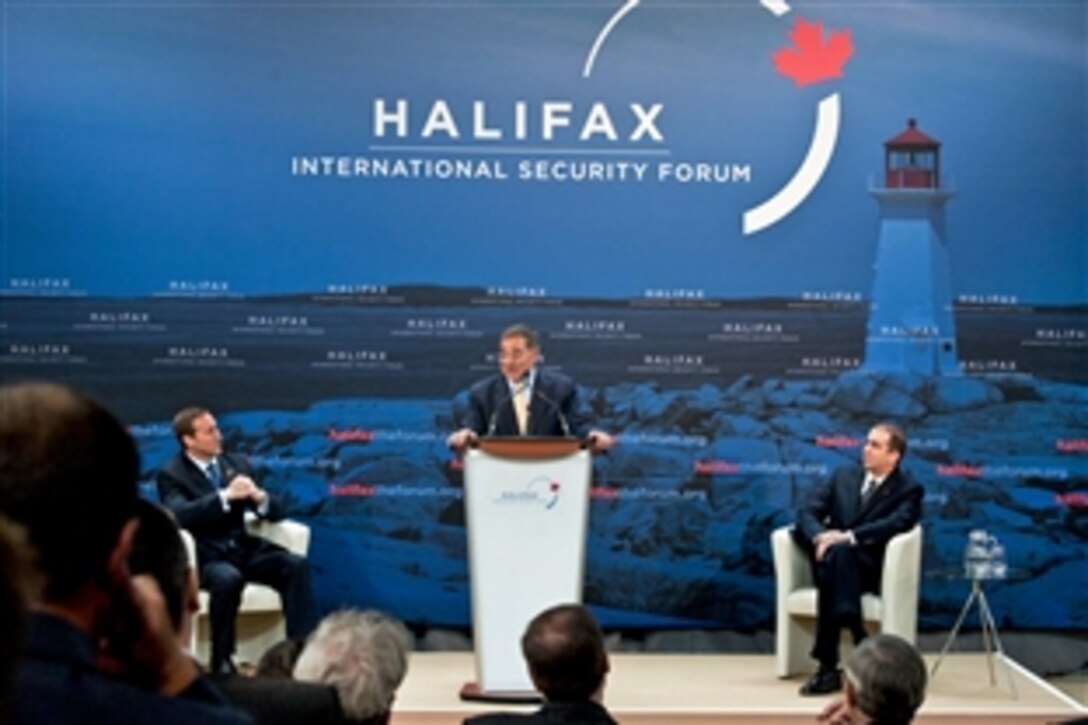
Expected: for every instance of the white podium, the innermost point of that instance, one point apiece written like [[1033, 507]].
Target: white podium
[[526, 507]]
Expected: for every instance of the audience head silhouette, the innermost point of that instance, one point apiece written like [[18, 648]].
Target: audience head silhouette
[[159, 552], [99, 647], [564, 648], [364, 655], [68, 472], [886, 679]]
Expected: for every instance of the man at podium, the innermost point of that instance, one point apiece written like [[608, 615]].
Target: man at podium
[[522, 400]]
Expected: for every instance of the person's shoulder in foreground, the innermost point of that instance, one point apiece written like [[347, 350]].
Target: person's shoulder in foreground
[[587, 713], [99, 647]]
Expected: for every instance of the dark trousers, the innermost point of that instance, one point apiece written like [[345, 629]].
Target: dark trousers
[[260, 561], [845, 573]]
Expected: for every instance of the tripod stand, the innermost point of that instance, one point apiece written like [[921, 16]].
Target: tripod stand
[[989, 629]]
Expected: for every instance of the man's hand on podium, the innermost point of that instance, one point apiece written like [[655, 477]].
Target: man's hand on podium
[[461, 439], [599, 441]]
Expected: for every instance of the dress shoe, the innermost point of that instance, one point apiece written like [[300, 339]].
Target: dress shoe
[[823, 682], [224, 667]]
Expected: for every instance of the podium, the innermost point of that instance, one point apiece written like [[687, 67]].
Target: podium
[[526, 508]]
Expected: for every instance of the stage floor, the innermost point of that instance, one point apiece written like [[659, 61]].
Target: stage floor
[[697, 688]]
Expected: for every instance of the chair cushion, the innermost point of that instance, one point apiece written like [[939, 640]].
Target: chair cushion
[[255, 598], [802, 602]]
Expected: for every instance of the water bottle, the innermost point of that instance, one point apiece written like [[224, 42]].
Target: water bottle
[[976, 557], [999, 568]]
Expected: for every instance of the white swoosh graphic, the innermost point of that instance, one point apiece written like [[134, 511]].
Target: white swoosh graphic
[[790, 196], [778, 7], [616, 17]]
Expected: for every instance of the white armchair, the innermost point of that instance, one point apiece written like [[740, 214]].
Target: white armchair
[[260, 615], [894, 610]]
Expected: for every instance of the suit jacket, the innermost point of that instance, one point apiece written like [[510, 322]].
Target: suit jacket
[[186, 490], [490, 409], [895, 507], [281, 701], [57, 683], [552, 712]]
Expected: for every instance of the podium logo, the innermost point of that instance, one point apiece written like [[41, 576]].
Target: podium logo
[[539, 491]]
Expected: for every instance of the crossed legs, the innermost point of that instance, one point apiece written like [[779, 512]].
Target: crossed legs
[[266, 563], [845, 572]]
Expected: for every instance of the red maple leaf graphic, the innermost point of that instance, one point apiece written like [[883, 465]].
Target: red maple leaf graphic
[[814, 60]]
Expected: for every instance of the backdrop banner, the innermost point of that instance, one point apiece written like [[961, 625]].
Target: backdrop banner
[[748, 230]]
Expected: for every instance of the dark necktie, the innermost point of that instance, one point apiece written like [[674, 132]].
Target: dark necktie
[[867, 489], [214, 474]]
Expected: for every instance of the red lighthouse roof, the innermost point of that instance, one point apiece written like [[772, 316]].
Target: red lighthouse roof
[[912, 138], [912, 160]]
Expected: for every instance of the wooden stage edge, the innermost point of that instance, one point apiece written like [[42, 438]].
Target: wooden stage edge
[[698, 689]]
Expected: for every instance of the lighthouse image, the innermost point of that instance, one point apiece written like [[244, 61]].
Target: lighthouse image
[[911, 328]]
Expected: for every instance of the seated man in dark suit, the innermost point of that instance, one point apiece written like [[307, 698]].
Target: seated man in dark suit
[[158, 551], [564, 648], [68, 474], [211, 493], [523, 400], [844, 526]]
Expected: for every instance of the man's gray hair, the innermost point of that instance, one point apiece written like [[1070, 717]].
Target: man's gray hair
[[363, 654], [889, 678]]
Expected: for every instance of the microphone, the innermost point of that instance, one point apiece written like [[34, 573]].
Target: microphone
[[493, 421], [563, 422]]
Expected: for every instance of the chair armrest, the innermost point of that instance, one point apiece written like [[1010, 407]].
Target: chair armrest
[[901, 584], [791, 567], [291, 535], [903, 562], [190, 547]]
